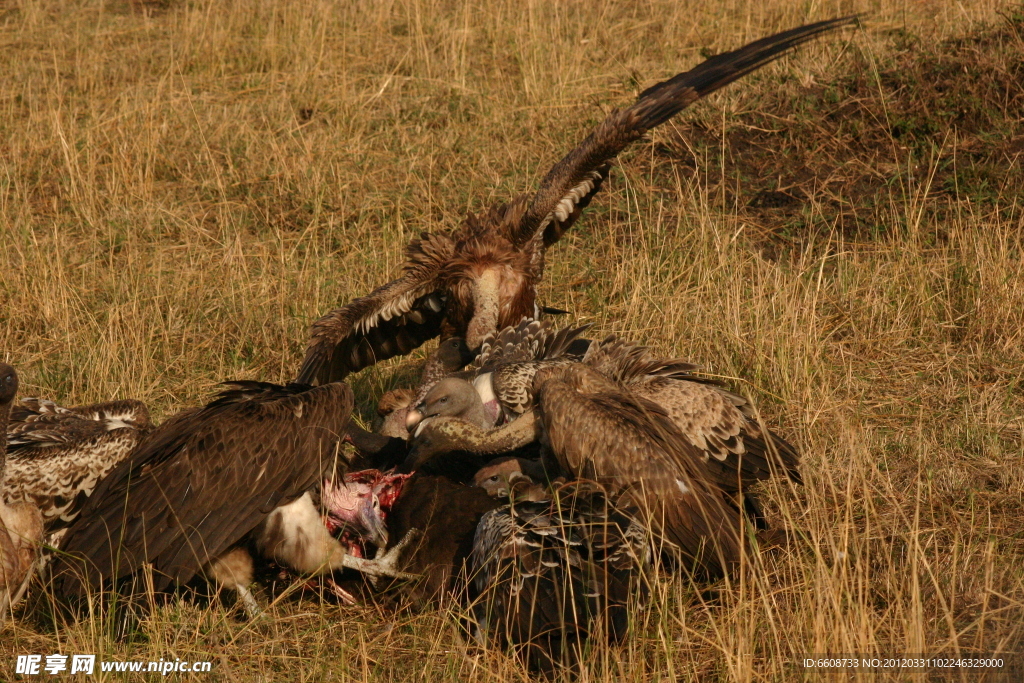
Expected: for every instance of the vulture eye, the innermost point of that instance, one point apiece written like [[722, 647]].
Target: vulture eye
[[443, 399]]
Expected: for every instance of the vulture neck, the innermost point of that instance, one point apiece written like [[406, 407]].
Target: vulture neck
[[486, 290]]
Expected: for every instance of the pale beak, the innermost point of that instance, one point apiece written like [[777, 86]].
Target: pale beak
[[413, 418]]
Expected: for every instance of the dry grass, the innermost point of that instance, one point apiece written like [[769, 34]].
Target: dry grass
[[187, 184]]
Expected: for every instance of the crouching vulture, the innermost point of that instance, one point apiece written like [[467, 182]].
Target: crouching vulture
[[21, 524], [205, 484], [482, 276]]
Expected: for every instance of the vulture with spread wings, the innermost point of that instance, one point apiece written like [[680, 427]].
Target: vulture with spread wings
[[482, 276], [207, 480]]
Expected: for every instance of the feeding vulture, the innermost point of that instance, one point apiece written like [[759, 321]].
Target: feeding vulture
[[482, 276], [21, 524], [440, 514], [552, 573], [207, 481], [735, 450], [675, 447], [56, 455]]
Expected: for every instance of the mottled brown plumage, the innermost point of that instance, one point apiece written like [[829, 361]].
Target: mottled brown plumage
[[203, 482], [596, 429], [482, 276], [57, 455], [550, 575]]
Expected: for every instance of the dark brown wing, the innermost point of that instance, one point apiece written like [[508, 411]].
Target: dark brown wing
[[597, 430], [574, 180], [203, 481], [393, 320]]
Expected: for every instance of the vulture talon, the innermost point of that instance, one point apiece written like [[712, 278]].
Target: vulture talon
[[249, 603], [384, 566]]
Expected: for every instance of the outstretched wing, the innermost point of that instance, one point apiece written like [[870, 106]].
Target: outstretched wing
[[203, 481], [391, 321], [572, 182]]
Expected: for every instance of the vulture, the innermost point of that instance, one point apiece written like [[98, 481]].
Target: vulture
[[207, 483], [552, 573], [56, 455], [450, 356], [676, 447], [490, 392], [514, 478], [440, 514], [595, 429], [21, 524], [482, 276], [734, 448]]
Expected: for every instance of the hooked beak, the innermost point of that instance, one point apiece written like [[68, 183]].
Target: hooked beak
[[374, 528]]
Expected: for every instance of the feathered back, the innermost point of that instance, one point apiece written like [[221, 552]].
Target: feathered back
[[550, 575], [202, 481], [530, 340]]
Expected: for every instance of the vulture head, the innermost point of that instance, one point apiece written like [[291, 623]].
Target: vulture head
[[450, 356], [357, 506], [451, 397], [8, 384], [392, 410], [512, 478], [490, 280]]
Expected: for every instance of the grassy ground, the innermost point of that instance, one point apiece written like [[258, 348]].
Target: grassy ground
[[186, 185]]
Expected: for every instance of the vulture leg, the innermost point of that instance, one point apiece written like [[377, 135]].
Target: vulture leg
[[387, 564], [234, 570]]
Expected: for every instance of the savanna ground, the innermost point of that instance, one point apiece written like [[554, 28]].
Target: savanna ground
[[186, 185]]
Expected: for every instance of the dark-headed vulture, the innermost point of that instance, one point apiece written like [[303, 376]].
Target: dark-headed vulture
[[209, 480], [21, 524], [56, 455], [482, 276]]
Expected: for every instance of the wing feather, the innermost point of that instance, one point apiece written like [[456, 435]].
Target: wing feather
[[393, 320], [599, 431], [201, 482], [574, 180]]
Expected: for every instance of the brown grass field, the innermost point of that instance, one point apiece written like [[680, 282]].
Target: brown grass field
[[185, 185]]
